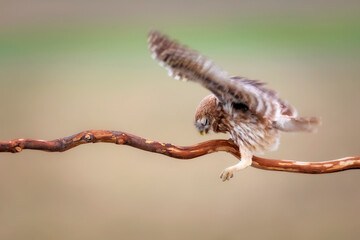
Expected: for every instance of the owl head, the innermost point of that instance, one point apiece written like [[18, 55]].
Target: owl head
[[207, 115]]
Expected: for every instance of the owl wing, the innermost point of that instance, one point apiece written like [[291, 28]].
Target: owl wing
[[185, 64]]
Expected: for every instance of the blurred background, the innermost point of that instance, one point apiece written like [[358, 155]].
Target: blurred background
[[68, 66]]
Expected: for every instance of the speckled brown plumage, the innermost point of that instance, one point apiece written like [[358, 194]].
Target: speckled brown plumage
[[253, 115]]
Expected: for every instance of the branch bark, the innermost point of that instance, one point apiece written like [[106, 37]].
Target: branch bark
[[189, 152]]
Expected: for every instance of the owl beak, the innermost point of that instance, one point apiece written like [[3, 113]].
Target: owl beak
[[204, 132]]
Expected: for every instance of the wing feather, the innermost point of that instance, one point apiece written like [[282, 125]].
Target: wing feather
[[183, 63]]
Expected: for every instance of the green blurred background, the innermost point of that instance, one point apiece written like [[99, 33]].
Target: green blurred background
[[68, 66]]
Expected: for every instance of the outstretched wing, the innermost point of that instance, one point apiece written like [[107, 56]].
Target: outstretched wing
[[183, 63]]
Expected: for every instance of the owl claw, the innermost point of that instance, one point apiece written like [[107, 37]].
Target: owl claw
[[245, 161], [227, 174]]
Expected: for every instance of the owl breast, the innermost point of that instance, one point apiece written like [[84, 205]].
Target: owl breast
[[245, 128], [256, 136]]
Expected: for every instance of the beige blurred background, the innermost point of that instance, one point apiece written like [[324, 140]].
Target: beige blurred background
[[69, 66]]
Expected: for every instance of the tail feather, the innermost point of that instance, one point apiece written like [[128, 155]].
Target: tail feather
[[301, 124]]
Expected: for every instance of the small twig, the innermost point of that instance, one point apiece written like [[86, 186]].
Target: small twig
[[197, 150]]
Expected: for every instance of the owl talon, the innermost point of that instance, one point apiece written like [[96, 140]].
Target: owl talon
[[227, 174]]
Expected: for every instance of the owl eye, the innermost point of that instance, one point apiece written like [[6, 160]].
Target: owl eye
[[204, 121], [207, 121], [240, 106]]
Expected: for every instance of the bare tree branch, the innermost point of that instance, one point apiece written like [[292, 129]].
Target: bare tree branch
[[189, 152]]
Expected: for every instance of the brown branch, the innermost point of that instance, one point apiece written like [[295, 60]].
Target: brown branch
[[197, 150]]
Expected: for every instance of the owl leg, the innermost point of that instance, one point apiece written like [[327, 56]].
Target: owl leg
[[245, 161]]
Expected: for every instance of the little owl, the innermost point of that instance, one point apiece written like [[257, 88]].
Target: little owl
[[253, 115]]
